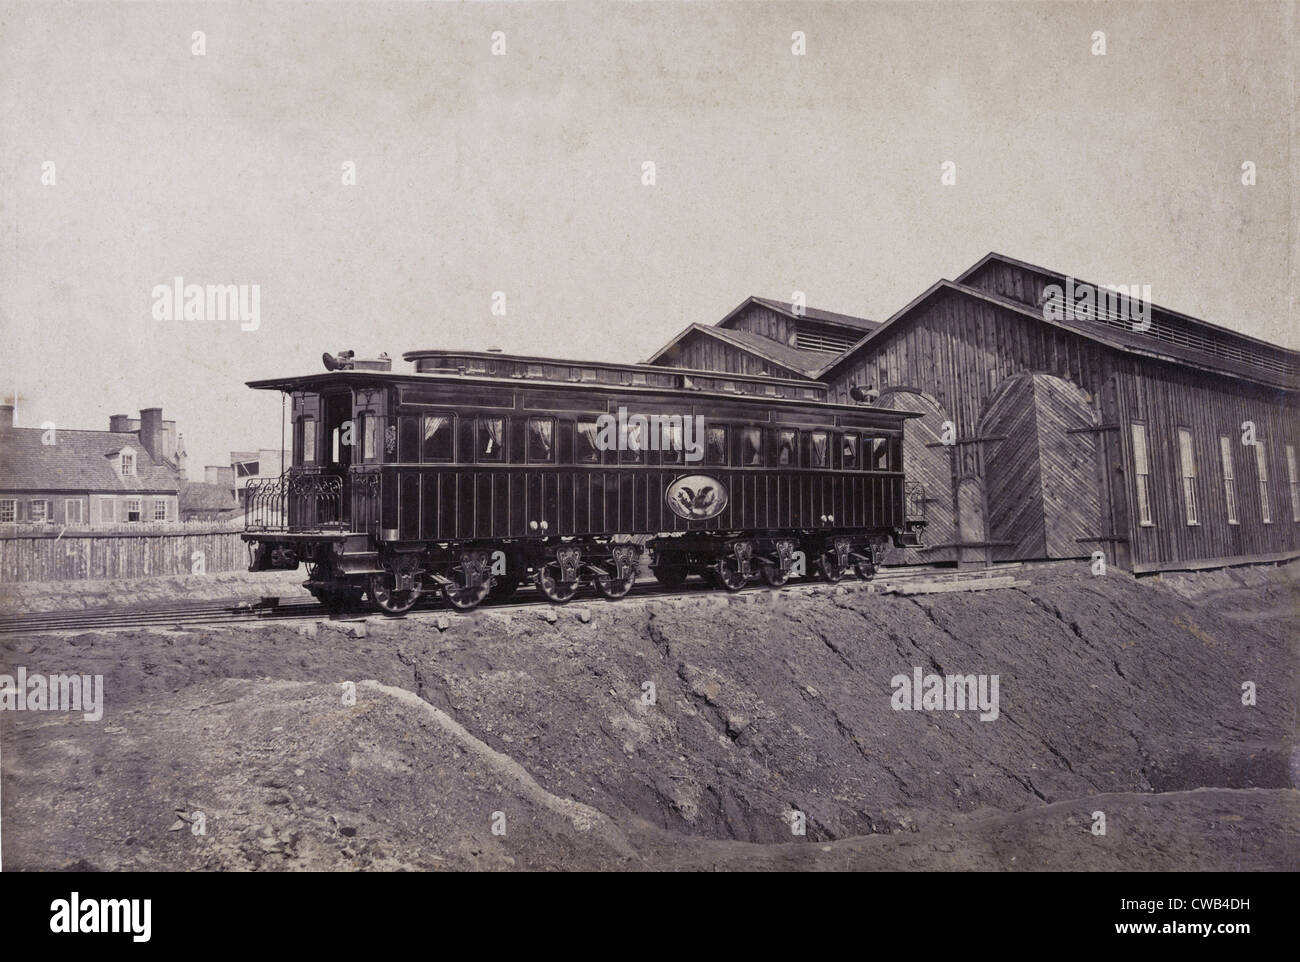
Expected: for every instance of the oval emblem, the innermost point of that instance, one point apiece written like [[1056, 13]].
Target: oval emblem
[[697, 497]]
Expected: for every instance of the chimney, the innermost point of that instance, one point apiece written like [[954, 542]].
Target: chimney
[[151, 433], [6, 416], [120, 423]]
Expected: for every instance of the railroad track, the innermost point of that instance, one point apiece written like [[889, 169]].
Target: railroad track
[[218, 613]]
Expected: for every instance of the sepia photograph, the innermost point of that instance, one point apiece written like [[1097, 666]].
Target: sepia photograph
[[647, 437]]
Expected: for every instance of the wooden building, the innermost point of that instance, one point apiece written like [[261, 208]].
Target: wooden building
[[1162, 440]]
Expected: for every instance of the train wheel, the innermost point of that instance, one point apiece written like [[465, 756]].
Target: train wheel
[[503, 590], [548, 583], [726, 572], [829, 566], [774, 576], [864, 570], [670, 576], [612, 587], [463, 599], [387, 600]]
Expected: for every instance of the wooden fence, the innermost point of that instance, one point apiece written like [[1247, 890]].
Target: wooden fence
[[51, 552]]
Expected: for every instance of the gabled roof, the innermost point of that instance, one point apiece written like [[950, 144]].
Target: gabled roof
[[77, 461], [1059, 276], [1120, 340], [809, 313], [789, 358], [201, 496]]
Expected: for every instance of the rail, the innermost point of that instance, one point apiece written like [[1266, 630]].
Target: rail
[[297, 501]]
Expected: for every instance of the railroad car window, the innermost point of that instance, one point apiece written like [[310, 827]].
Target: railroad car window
[[491, 438], [308, 428], [438, 444], [875, 452], [751, 446], [584, 443], [408, 440], [787, 447], [896, 454], [820, 448], [849, 446], [715, 444], [541, 440], [634, 453], [670, 442], [369, 437]]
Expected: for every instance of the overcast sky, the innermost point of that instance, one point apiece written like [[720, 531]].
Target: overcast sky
[[522, 173]]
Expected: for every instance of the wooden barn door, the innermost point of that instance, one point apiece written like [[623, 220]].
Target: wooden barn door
[[1040, 469], [927, 460], [1067, 445]]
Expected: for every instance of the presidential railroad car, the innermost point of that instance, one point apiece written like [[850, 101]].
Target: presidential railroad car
[[481, 470]]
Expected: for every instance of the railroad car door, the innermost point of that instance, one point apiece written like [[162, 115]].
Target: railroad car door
[[337, 461]]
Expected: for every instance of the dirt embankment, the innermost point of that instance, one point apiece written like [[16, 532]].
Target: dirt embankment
[[1115, 696]]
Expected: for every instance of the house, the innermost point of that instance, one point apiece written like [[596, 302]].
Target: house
[[251, 466], [207, 501], [767, 337], [1156, 438], [131, 472]]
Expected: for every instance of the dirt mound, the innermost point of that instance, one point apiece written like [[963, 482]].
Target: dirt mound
[[683, 733]]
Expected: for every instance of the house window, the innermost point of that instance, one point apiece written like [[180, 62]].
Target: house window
[[127, 464], [107, 510], [1187, 461], [1261, 461], [1142, 474], [491, 438], [819, 448], [1294, 481], [1229, 479], [38, 510], [850, 448], [160, 509], [715, 444], [8, 510], [72, 511], [246, 469], [438, 443], [541, 441], [132, 509]]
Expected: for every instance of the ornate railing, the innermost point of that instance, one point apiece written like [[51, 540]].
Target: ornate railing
[[296, 501], [914, 501]]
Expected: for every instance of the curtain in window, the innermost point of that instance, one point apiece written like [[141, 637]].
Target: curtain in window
[[819, 450], [495, 427], [434, 423], [541, 432]]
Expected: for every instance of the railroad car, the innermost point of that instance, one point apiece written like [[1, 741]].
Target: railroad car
[[480, 470]]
